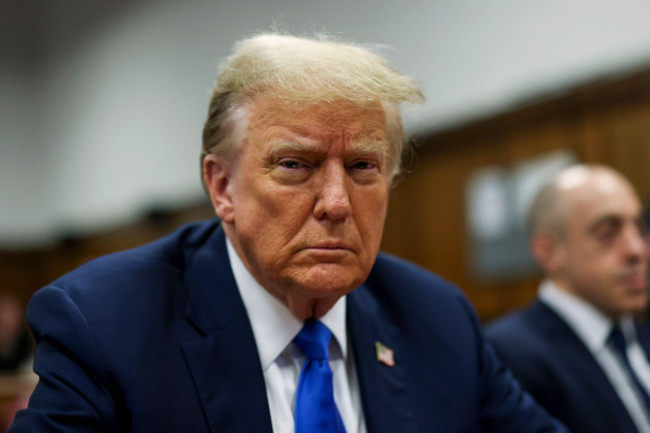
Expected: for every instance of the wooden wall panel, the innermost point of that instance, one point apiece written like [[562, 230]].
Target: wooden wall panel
[[621, 138], [20, 272], [24, 272], [606, 122]]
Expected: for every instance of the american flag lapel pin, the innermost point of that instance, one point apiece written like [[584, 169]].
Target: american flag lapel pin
[[384, 354]]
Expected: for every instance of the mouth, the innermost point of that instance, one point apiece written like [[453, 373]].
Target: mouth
[[634, 280], [331, 245], [329, 248]]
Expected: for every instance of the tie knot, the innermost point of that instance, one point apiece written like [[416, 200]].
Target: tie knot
[[314, 339], [618, 341]]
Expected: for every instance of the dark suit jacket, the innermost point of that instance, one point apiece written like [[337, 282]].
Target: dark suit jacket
[[157, 339], [555, 366]]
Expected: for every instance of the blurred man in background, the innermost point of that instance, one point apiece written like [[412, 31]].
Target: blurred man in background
[[577, 348]]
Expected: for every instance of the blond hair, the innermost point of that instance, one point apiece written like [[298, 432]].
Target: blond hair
[[301, 70]]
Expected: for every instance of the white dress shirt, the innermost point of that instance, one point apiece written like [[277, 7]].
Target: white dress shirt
[[593, 328], [274, 328]]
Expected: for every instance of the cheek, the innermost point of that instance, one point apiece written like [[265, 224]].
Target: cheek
[[597, 275], [589, 261], [371, 215], [269, 219], [256, 199]]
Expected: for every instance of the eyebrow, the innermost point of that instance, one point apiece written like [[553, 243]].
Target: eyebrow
[[609, 218], [612, 218], [360, 148]]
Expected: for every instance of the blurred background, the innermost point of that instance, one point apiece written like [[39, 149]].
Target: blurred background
[[102, 105]]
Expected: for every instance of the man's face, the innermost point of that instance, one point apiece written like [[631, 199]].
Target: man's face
[[306, 199], [604, 255]]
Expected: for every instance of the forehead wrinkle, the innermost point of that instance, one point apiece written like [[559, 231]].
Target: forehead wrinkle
[[321, 118], [322, 131]]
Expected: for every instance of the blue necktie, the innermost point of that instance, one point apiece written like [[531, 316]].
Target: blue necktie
[[618, 341], [316, 411]]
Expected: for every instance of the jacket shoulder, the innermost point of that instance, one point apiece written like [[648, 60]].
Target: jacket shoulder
[[390, 270], [407, 290], [524, 327], [151, 260]]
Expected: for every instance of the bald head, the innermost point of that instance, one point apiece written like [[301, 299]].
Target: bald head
[[587, 238], [555, 203]]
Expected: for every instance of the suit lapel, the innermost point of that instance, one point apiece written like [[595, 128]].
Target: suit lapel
[[643, 335], [584, 368], [383, 389], [224, 361]]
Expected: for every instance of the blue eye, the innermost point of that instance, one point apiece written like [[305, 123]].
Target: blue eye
[[364, 165], [290, 164]]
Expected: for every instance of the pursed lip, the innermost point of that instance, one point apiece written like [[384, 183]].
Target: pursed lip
[[634, 279], [329, 246]]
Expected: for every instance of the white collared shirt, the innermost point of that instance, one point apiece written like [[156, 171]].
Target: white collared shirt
[[274, 328], [593, 328]]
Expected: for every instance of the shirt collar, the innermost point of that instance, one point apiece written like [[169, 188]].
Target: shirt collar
[[274, 327], [589, 323]]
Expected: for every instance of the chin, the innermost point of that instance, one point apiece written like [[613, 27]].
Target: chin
[[327, 283], [636, 306], [328, 288]]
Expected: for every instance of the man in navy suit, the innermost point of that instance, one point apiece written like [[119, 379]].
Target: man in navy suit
[[577, 349], [200, 331]]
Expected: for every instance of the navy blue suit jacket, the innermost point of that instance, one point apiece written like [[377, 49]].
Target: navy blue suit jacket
[[555, 366], [157, 339]]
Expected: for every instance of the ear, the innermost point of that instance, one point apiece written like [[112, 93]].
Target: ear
[[548, 250], [217, 175]]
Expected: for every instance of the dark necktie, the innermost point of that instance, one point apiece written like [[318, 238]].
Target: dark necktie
[[618, 341], [316, 411]]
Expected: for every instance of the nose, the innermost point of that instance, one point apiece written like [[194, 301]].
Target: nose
[[332, 198], [635, 245]]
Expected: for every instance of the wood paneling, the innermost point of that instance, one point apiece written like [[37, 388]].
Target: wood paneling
[[603, 122], [24, 272]]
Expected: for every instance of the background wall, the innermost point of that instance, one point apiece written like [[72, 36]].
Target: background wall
[[101, 103], [605, 121]]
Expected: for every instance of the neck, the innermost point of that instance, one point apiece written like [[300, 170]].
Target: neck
[[614, 316], [310, 308]]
